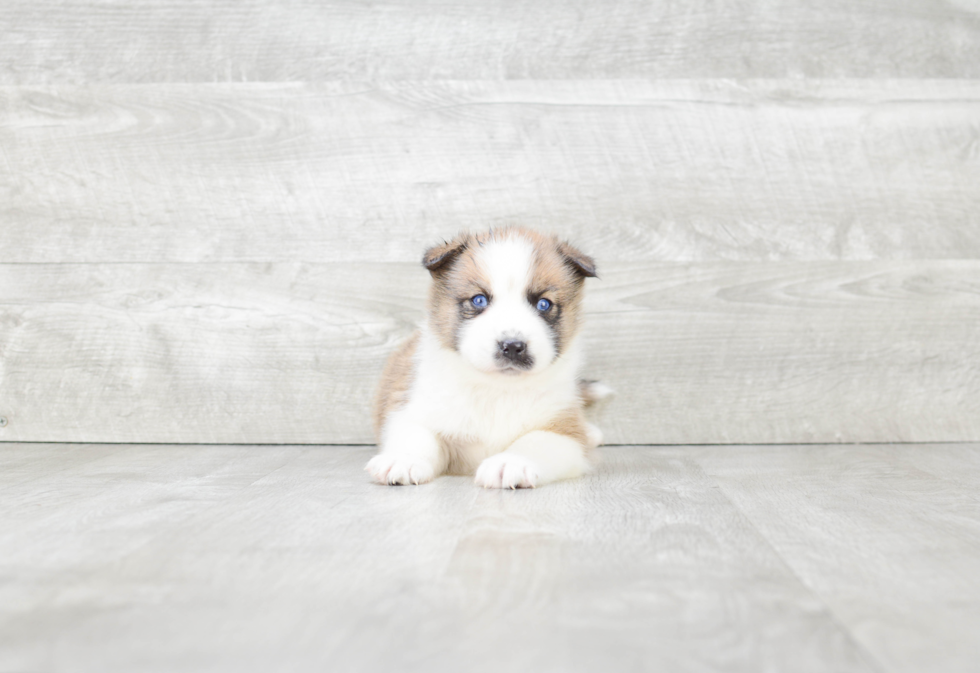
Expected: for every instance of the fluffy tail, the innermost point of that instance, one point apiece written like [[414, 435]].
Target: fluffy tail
[[592, 391]]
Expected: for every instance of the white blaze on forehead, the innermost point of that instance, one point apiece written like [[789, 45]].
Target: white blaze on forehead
[[507, 264]]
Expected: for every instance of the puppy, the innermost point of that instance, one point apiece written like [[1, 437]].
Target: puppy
[[490, 381]]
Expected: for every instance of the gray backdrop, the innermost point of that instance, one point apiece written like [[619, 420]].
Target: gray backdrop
[[212, 213]]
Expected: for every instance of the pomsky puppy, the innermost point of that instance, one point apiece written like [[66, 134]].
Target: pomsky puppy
[[489, 383]]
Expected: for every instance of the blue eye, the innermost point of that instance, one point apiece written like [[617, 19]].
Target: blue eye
[[480, 301], [543, 304]]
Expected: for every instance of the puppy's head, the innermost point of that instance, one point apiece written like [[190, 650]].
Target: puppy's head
[[508, 300]]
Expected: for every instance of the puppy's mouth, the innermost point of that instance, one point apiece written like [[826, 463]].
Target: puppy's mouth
[[513, 361], [511, 369]]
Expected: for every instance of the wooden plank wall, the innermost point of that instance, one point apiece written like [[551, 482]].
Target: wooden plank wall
[[212, 212]]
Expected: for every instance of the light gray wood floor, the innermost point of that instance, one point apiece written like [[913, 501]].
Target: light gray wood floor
[[266, 558]]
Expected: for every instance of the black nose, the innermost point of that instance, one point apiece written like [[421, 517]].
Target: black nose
[[513, 350]]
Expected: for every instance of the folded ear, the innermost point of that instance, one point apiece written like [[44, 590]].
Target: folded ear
[[578, 260], [438, 257]]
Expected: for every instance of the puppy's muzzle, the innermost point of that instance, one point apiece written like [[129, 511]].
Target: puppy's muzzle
[[513, 354]]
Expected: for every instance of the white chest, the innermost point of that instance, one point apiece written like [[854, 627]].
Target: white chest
[[487, 413]]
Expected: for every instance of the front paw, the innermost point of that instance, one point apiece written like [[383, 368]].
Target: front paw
[[507, 470], [389, 469]]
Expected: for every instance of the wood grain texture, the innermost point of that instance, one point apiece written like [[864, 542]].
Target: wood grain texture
[[74, 41], [631, 170], [290, 353], [888, 536], [817, 352], [287, 558]]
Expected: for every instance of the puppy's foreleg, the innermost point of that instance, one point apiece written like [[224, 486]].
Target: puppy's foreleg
[[537, 458], [410, 453]]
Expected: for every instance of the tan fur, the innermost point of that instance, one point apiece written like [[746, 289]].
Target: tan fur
[[570, 423], [451, 284], [458, 462], [557, 280], [396, 379]]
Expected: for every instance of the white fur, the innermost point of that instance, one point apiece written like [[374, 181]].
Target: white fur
[[538, 457], [599, 391], [462, 412]]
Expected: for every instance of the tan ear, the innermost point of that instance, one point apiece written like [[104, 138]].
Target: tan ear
[[438, 257], [578, 260]]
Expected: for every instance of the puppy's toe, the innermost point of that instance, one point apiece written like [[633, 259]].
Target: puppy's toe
[[391, 470], [507, 471], [489, 473]]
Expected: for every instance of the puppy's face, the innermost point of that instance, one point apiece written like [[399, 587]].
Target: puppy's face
[[507, 301]]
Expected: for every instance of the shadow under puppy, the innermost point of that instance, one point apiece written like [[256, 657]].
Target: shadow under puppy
[[489, 383]]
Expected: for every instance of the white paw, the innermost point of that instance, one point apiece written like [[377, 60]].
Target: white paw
[[507, 470], [389, 469]]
